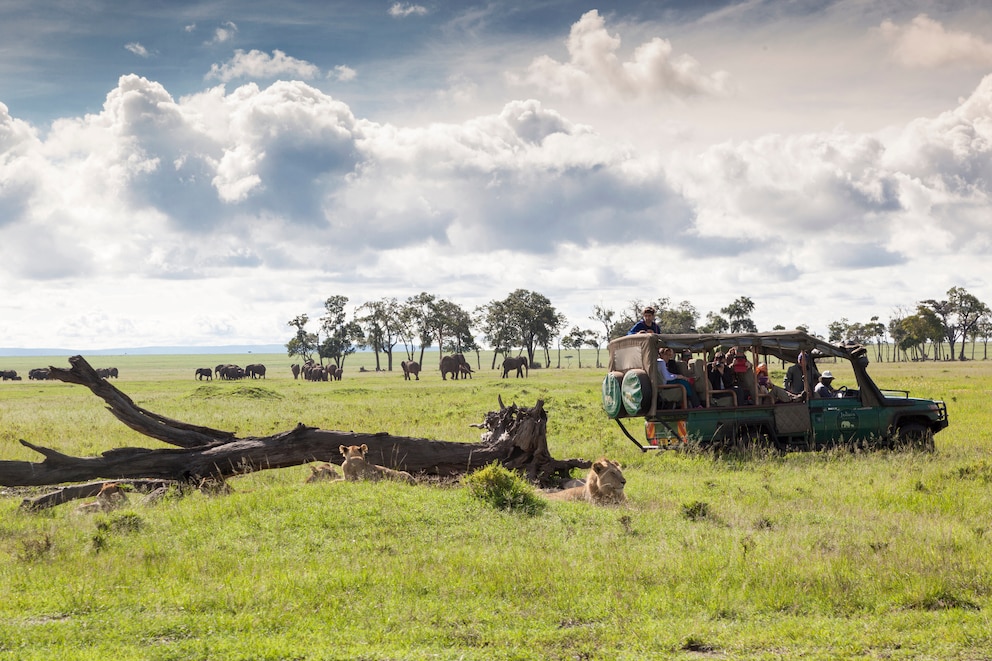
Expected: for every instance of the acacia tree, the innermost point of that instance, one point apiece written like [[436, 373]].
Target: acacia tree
[[958, 315], [304, 344], [382, 327], [418, 313], [739, 312], [342, 337], [493, 319], [534, 318], [714, 324]]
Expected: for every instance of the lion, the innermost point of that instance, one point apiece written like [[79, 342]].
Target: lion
[[356, 468], [603, 486], [323, 473], [110, 497]]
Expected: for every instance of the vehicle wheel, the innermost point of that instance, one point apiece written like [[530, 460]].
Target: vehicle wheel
[[636, 392], [612, 396], [914, 436]]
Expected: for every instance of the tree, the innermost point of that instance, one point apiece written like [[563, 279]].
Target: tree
[[342, 337], [714, 324], [739, 312], [496, 325], [534, 318], [516, 437], [958, 314], [304, 344], [681, 319], [382, 327], [418, 313]]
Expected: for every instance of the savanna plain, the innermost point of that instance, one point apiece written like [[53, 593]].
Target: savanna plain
[[829, 555]]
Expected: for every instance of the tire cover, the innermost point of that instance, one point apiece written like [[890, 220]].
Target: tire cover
[[636, 392], [612, 394]]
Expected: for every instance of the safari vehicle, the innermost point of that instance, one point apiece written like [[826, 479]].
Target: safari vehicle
[[856, 415]]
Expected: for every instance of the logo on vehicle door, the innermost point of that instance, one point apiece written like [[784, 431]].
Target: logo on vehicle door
[[848, 420]]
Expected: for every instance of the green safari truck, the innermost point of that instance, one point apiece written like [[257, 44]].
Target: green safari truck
[[754, 410]]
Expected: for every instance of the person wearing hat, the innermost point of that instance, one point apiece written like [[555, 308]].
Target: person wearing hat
[[824, 389], [647, 324]]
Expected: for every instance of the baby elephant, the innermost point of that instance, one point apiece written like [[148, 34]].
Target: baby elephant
[[357, 468]]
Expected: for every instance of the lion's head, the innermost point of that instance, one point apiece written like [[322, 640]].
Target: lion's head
[[354, 451], [605, 482]]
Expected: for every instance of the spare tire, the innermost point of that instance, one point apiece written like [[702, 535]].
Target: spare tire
[[612, 395], [636, 392]]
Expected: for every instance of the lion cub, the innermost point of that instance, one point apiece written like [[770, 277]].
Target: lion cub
[[111, 497], [356, 468], [323, 473], [604, 485]]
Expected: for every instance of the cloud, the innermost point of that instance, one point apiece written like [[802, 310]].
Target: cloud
[[343, 73], [223, 34], [256, 64], [925, 44], [595, 73], [402, 10], [137, 49]]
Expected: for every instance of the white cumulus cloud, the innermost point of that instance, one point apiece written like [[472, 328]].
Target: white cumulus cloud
[[597, 73], [402, 10], [925, 43], [137, 49], [257, 64]]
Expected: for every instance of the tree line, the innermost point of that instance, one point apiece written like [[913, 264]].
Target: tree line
[[526, 322]]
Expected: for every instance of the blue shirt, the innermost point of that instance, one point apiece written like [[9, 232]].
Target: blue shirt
[[641, 326]]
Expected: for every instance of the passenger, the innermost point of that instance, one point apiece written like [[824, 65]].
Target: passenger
[[737, 367], [647, 324], [719, 373], [766, 387], [794, 379], [824, 389], [664, 355]]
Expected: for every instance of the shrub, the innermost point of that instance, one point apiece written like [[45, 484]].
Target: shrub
[[504, 490]]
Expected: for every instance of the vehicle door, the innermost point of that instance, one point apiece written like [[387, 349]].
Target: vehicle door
[[842, 419]]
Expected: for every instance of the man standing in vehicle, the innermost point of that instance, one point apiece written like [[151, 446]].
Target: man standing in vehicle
[[647, 324]]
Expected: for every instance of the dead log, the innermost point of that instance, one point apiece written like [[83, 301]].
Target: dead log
[[516, 437]]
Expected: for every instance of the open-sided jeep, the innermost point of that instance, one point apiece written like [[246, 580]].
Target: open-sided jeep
[[864, 414]]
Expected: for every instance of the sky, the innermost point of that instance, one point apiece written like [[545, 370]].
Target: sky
[[201, 173]]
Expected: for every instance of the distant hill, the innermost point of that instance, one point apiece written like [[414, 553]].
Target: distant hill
[[145, 351]]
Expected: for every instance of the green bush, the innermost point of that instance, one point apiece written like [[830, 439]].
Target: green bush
[[504, 490]]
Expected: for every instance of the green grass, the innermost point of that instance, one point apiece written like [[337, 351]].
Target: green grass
[[832, 555]]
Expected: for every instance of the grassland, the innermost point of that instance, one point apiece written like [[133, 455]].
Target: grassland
[[820, 556]]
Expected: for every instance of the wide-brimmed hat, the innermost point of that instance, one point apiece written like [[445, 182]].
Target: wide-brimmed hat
[[826, 375]]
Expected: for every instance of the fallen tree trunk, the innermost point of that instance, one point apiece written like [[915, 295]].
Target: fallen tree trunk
[[516, 437]]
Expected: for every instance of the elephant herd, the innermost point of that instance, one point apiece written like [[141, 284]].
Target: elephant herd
[[231, 372], [42, 374], [311, 371]]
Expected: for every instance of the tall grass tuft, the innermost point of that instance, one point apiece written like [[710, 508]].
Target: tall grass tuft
[[504, 490]]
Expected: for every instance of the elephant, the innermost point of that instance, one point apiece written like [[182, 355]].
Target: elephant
[[231, 372], [338, 373], [519, 363], [410, 367], [8, 375], [455, 365], [38, 373], [255, 371], [107, 372], [295, 368], [204, 373]]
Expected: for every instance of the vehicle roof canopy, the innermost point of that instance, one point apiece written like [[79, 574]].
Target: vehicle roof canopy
[[642, 348]]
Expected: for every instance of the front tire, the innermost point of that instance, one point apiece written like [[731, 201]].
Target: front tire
[[914, 436]]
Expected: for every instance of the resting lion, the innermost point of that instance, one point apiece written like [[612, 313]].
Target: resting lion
[[323, 473], [604, 485], [356, 468]]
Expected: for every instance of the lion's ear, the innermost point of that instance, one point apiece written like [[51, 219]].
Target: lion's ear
[[598, 467], [365, 448], [343, 450]]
